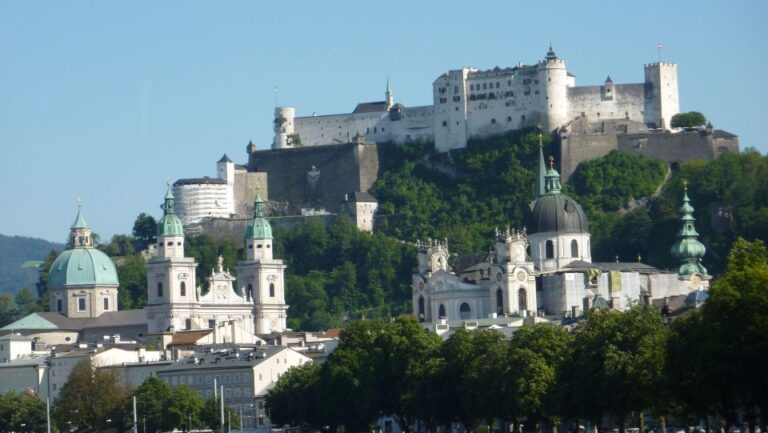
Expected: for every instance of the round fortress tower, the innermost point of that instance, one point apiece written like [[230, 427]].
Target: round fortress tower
[[284, 128], [555, 103]]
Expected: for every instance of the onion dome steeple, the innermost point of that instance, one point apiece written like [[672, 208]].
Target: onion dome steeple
[[80, 231], [688, 249], [551, 53], [259, 228], [170, 224]]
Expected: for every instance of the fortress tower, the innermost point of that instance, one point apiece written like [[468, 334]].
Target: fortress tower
[[284, 127], [662, 100], [555, 103]]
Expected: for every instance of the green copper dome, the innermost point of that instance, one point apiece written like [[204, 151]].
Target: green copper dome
[[82, 267], [259, 228], [688, 248], [170, 224]]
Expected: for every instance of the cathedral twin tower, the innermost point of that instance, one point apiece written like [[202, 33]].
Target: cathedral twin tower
[[227, 315]]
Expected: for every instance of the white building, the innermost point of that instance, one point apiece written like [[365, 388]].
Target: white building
[[227, 195], [471, 103], [245, 373], [175, 304], [545, 270]]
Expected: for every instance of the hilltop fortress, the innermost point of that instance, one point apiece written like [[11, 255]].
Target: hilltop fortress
[[470, 103], [325, 164]]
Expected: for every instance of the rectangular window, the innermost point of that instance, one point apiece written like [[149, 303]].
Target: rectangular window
[[59, 306], [106, 304], [211, 323], [80, 304], [187, 324]]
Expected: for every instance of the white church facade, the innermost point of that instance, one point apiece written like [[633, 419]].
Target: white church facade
[[545, 271], [472, 103]]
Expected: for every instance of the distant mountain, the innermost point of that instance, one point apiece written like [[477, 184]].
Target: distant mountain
[[20, 258]]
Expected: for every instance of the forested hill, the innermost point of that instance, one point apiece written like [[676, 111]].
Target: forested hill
[[20, 259]]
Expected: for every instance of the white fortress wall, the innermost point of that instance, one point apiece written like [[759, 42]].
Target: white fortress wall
[[339, 128], [625, 101]]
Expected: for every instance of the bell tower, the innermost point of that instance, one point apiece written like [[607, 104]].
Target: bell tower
[[260, 277]]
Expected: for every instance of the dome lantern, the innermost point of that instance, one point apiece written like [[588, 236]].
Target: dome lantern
[[688, 249]]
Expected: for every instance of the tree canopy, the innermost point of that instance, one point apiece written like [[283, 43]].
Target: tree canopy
[[690, 119]]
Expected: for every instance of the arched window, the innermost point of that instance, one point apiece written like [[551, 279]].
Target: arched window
[[550, 250], [522, 299], [183, 289], [159, 289], [441, 312], [574, 248], [422, 316], [249, 291], [499, 301], [271, 290], [464, 311]]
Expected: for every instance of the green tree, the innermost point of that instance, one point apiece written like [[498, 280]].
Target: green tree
[[295, 399], [92, 400], [26, 302], [132, 273], [617, 365], [185, 408], [690, 119], [211, 416], [536, 352], [144, 230], [42, 282], [153, 398], [21, 413]]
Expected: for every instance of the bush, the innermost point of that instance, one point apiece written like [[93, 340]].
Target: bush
[[690, 119]]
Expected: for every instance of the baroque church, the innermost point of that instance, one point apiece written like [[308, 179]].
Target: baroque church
[[544, 271], [83, 287]]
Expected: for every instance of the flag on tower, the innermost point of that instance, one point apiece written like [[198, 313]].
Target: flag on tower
[[661, 45]]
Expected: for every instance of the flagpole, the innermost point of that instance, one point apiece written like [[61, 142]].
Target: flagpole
[[659, 47]]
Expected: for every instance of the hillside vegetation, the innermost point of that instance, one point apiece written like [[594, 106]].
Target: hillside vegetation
[[337, 273]]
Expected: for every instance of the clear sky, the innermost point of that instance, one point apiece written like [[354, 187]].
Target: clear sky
[[105, 100]]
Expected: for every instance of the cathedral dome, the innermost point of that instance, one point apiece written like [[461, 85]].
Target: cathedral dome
[[556, 213], [82, 267]]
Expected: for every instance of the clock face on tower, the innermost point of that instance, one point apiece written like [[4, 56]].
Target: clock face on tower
[[521, 276]]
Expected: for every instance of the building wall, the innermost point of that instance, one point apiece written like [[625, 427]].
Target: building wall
[[246, 185], [24, 378], [625, 101], [94, 300], [342, 168], [669, 147]]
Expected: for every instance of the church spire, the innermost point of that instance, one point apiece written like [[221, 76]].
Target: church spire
[[80, 231], [388, 95], [688, 249], [169, 224], [540, 185]]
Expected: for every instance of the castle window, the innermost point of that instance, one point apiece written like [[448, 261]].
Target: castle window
[[471, 87], [183, 289], [59, 306], [80, 304], [499, 301], [455, 90], [375, 129], [456, 98], [550, 250], [441, 312], [522, 299], [271, 290], [493, 121], [159, 289], [445, 123], [106, 304], [422, 316], [498, 85], [443, 100], [485, 86], [509, 118], [574, 248], [464, 311]]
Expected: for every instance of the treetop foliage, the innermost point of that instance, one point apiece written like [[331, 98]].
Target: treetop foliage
[[691, 119]]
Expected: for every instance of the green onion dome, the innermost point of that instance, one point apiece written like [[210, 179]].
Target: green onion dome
[[170, 224], [259, 228]]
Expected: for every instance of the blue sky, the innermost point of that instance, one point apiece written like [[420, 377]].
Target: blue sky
[[105, 100]]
